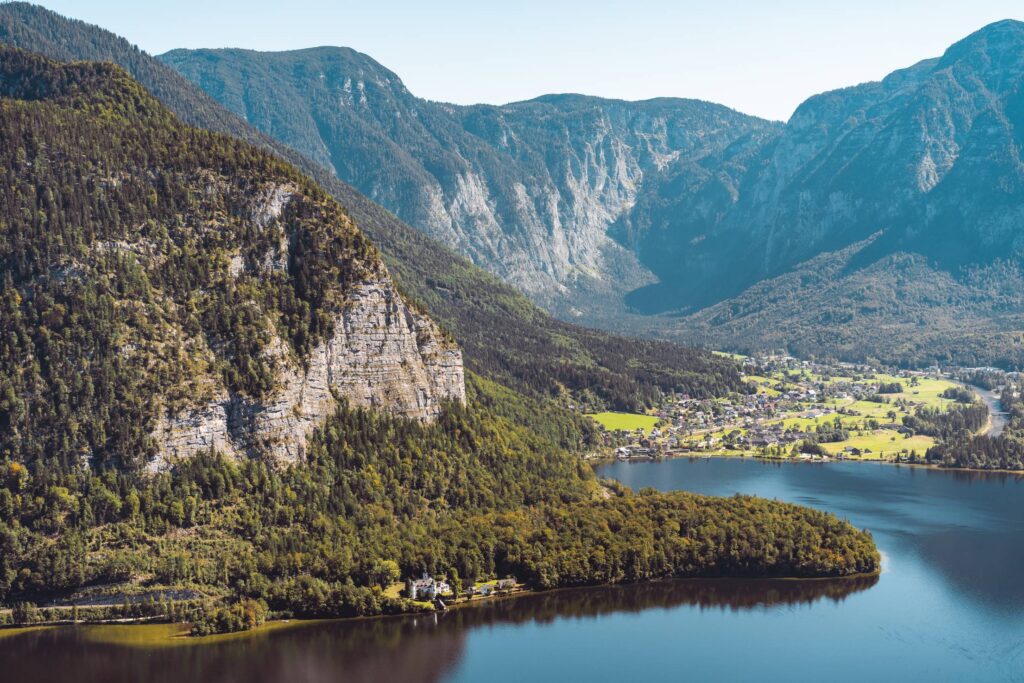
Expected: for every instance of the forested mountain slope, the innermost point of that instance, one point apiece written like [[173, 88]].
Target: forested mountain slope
[[148, 267], [502, 335], [167, 290], [897, 309]]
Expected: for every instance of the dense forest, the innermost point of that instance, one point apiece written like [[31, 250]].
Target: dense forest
[[900, 311], [118, 226], [949, 423], [503, 336], [490, 490]]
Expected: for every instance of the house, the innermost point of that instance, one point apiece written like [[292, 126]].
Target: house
[[426, 588]]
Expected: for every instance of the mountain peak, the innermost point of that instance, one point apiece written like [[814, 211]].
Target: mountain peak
[[29, 76], [998, 44]]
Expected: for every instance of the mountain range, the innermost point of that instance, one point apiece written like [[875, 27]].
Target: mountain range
[[501, 334], [219, 401], [686, 220], [528, 190]]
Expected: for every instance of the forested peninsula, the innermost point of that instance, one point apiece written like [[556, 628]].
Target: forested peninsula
[[137, 283]]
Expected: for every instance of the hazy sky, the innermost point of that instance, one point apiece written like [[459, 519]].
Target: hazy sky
[[759, 56]]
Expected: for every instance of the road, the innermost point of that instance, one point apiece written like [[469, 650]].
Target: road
[[997, 418]]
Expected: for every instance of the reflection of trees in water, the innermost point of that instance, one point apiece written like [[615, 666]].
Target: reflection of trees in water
[[421, 649], [726, 594], [356, 651], [970, 476]]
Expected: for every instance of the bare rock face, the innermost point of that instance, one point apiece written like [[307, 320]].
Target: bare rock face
[[382, 354], [528, 190]]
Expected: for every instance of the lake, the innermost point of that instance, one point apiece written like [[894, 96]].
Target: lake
[[949, 606]]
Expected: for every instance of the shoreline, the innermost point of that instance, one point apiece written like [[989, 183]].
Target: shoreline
[[177, 633], [607, 459]]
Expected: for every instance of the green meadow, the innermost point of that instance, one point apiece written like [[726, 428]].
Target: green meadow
[[626, 421]]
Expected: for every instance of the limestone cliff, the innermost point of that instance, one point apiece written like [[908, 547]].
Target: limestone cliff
[[383, 354], [528, 190]]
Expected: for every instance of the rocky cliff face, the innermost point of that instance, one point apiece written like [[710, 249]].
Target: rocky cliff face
[[500, 334], [930, 156], [527, 190], [382, 355], [685, 203]]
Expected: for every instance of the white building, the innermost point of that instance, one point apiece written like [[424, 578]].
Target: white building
[[426, 588]]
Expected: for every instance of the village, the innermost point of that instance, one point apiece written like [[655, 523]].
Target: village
[[795, 409]]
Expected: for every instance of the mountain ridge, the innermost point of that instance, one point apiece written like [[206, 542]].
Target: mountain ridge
[[502, 336], [148, 268], [928, 157], [484, 178], [209, 275]]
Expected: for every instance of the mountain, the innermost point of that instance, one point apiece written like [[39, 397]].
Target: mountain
[[168, 290], [502, 335], [899, 309], [884, 221], [727, 216], [527, 190], [929, 157], [215, 403]]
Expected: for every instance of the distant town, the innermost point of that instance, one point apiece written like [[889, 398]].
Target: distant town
[[798, 409]]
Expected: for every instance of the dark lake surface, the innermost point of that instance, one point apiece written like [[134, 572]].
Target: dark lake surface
[[949, 606]]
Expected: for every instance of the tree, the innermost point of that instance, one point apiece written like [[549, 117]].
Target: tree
[[385, 572], [24, 613], [456, 582]]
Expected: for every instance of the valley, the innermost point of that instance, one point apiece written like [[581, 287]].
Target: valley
[[877, 224], [304, 375]]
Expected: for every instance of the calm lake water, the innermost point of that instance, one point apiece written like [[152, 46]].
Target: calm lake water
[[949, 606]]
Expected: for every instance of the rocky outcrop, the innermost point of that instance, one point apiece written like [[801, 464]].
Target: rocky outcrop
[[189, 293], [382, 355]]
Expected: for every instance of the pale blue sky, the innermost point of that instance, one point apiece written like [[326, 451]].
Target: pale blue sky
[[762, 57]]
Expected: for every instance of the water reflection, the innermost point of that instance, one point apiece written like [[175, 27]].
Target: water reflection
[[419, 649], [949, 607]]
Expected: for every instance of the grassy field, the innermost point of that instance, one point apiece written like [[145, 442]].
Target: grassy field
[[765, 385], [928, 392], [626, 421], [882, 443]]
